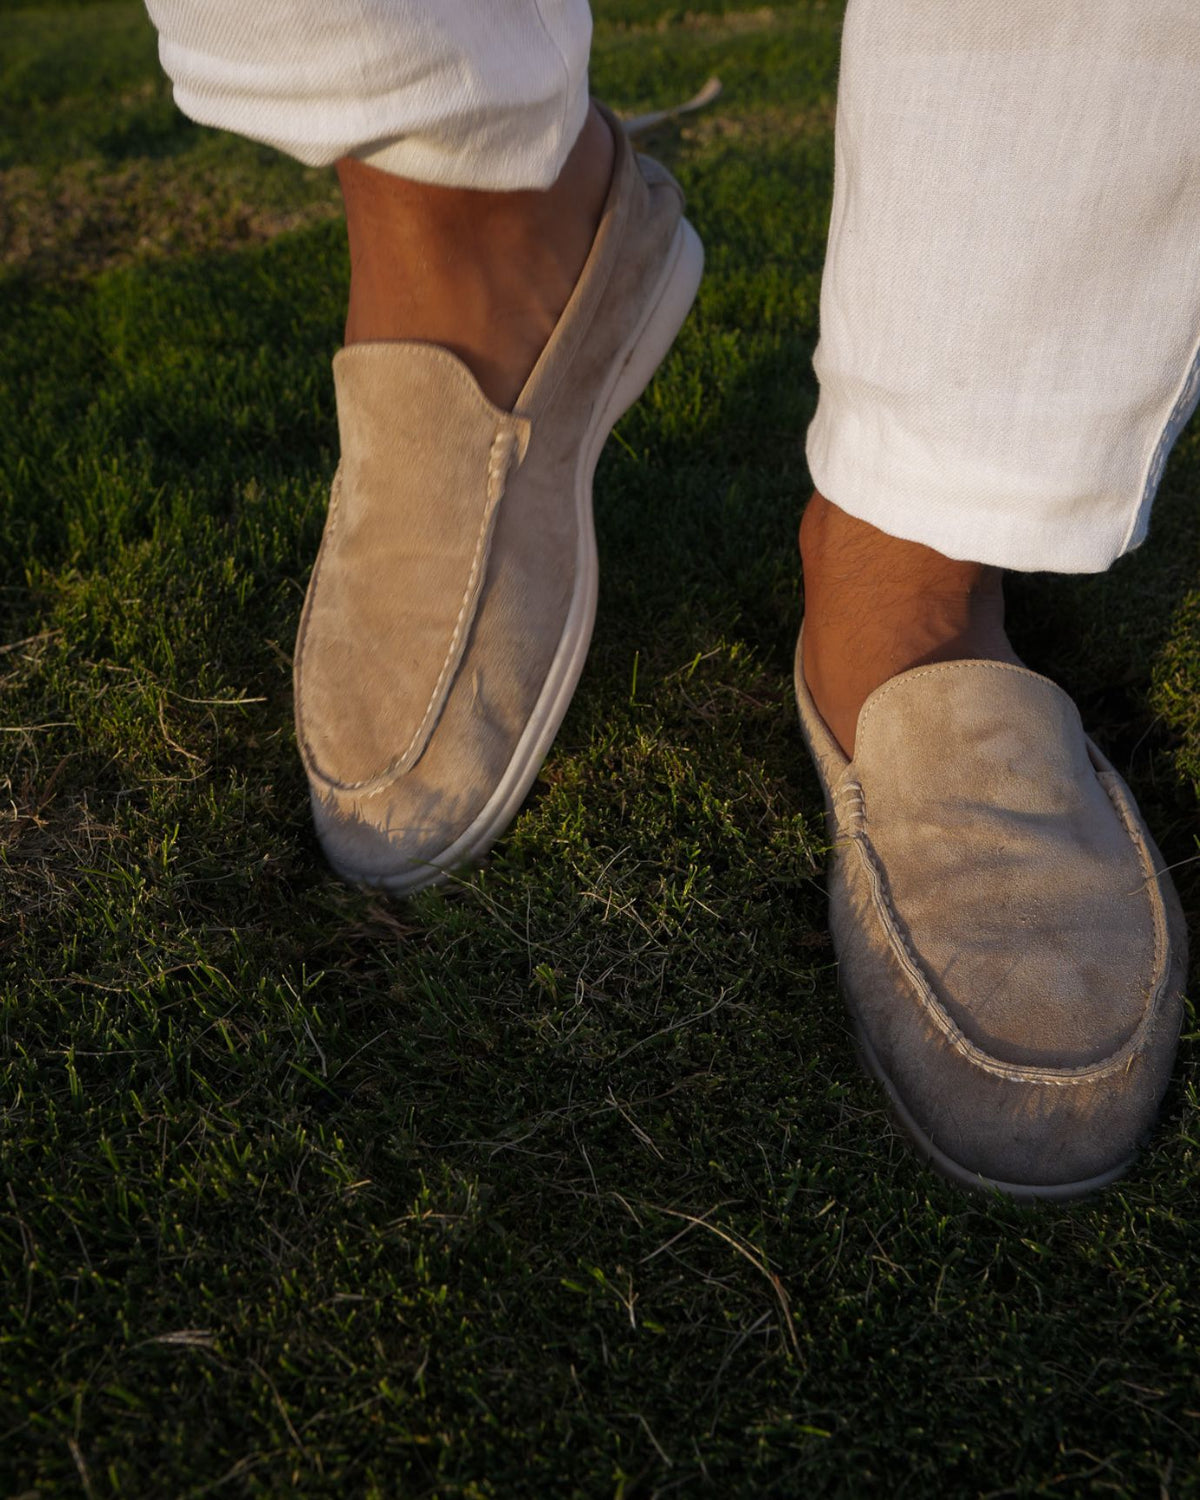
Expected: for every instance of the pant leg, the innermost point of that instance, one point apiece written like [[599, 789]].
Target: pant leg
[[466, 93], [1010, 313]]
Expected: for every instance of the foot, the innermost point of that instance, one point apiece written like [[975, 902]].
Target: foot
[[874, 606], [451, 606], [485, 275], [1009, 945]]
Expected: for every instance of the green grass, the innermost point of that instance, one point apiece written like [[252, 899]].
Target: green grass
[[562, 1181]]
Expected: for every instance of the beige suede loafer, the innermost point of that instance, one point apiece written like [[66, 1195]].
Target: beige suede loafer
[[452, 602], [1010, 947]]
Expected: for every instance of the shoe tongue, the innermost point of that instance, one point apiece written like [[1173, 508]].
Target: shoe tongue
[[956, 730]]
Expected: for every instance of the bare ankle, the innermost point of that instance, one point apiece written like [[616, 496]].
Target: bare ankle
[[839, 549], [876, 605], [483, 274]]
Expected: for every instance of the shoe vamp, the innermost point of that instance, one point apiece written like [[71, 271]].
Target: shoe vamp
[[516, 635], [411, 816], [407, 553], [1013, 881]]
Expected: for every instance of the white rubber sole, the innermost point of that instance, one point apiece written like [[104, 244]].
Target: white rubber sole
[[1023, 1191], [644, 351]]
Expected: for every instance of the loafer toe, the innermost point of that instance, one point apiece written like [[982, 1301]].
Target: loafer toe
[[1011, 951]]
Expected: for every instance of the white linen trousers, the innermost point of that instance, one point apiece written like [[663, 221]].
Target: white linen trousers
[[1010, 311]]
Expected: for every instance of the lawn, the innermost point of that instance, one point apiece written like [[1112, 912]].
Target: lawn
[[562, 1180]]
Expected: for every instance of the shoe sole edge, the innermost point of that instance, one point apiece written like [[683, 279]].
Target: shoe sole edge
[[1026, 1192]]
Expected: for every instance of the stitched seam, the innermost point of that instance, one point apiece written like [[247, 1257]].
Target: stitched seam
[[1014, 1072], [499, 459], [941, 667]]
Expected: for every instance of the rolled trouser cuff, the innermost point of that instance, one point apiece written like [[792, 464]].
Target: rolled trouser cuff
[[456, 93]]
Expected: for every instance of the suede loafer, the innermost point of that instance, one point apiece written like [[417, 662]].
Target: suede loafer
[[1011, 949], [451, 605]]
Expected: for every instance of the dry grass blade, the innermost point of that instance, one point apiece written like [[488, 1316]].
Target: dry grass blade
[[757, 1259], [638, 124]]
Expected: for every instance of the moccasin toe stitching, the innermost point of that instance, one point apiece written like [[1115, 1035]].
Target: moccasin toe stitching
[[973, 827], [1018, 1127]]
